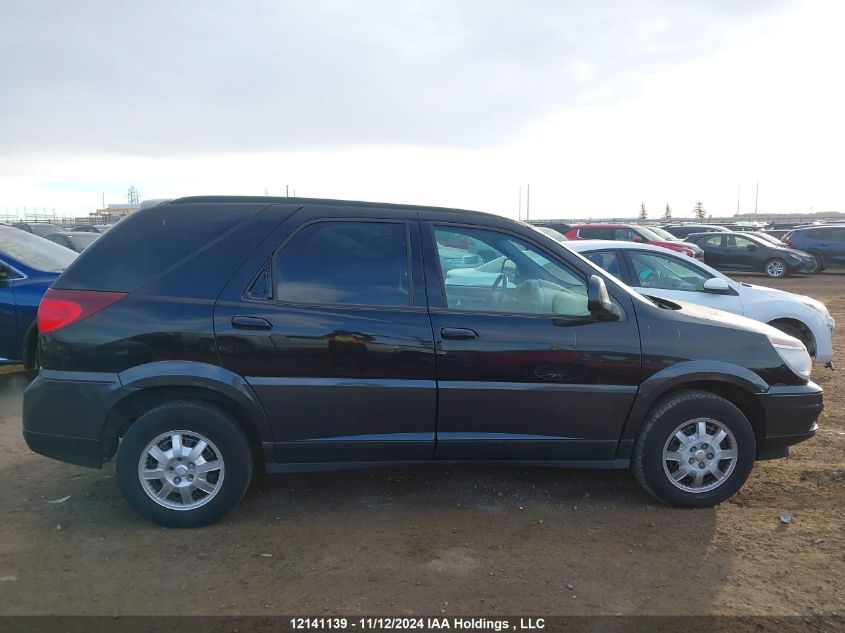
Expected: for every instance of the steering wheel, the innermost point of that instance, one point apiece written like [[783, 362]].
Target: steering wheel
[[497, 290]]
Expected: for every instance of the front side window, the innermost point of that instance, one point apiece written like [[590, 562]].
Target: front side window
[[714, 241], [502, 273], [666, 272], [350, 263]]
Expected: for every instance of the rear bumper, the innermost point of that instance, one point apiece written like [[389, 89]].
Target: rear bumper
[[791, 417], [64, 414]]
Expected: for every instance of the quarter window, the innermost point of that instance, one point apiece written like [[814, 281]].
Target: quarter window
[[606, 260], [352, 263], [497, 272]]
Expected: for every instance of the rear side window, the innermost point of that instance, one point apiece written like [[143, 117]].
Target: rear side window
[[835, 234], [606, 260], [596, 234], [346, 263], [149, 242], [713, 241]]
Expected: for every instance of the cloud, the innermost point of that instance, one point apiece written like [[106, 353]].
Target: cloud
[[190, 77]]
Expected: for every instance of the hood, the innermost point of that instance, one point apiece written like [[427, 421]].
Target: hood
[[774, 293], [725, 319]]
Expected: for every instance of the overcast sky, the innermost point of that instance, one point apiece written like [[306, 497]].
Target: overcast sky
[[598, 105]]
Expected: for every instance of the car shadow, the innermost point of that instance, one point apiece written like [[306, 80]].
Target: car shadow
[[477, 539]]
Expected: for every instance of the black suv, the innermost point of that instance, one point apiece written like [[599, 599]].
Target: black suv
[[207, 337]]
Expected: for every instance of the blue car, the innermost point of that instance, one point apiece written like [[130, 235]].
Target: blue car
[[826, 243], [28, 266]]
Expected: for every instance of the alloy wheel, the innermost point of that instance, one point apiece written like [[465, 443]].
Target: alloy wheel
[[775, 269], [181, 470], [700, 455]]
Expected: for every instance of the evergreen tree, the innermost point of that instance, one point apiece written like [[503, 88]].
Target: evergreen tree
[[643, 212], [699, 211], [667, 215]]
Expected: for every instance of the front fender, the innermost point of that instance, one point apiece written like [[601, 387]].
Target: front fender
[[173, 373], [680, 374]]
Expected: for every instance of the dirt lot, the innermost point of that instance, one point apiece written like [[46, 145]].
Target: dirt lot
[[458, 541]]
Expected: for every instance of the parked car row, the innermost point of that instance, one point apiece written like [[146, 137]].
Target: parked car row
[[805, 250], [289, 334]]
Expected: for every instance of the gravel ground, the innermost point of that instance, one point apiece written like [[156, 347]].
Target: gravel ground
[[417, 540]]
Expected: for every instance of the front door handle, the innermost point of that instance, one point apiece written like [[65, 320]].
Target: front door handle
[[251, 323], [458, 333]]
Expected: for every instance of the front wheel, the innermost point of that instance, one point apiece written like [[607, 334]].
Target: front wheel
[[184, 464], [776, 268], [696, 449]]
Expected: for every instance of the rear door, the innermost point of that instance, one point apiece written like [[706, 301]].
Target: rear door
[[835, 244], [328, 324]]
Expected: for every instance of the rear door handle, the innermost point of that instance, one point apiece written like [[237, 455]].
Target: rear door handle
[[251, 323], [458, 333]]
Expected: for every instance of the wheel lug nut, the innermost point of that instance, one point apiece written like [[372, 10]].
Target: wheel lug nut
[[704, 447], [709, 455], [701, 464], [177, 480], [170, 468], [691, 460], [190, 477], [191, 465]]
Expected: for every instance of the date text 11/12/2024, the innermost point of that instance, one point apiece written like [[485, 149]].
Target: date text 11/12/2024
[[419, 624]]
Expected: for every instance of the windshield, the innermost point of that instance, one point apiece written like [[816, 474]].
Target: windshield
[[555, 235], [83, 240], [650, 234], [666, 235], [34, 252]]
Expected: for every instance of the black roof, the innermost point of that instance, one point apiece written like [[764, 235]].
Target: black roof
[[319, 201]]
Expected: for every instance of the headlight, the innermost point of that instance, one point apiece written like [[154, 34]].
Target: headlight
[[793, 353], [818, 306]]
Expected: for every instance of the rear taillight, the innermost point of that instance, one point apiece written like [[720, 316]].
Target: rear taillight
[[59, 308]]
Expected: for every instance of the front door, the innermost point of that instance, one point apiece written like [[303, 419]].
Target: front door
[[9, 337], [335, 341], [523, 371]]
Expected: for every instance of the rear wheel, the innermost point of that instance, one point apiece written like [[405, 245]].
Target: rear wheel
[[696, 449], [184, 464], [819, 262], [776, 268]]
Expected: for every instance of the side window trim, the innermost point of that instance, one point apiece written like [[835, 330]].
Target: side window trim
[[441, 278], [273, 298]]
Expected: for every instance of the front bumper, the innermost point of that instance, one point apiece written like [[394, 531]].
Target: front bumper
[[791, 415]]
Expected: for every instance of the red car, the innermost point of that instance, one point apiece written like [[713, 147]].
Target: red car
[[632, 233]]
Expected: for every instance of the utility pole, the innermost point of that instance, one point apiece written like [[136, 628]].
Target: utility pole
[[738, 192], [104, 200], [527, 202], [287, 194], [756, 193]]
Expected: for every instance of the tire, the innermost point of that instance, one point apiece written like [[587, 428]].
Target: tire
[[216, 490], [776, 268], [681, 412], [819, 262]]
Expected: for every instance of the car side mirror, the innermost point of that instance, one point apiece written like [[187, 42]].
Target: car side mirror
[[5, 274], [717, 285], [638, 239], [751, 247], [598, 301]]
